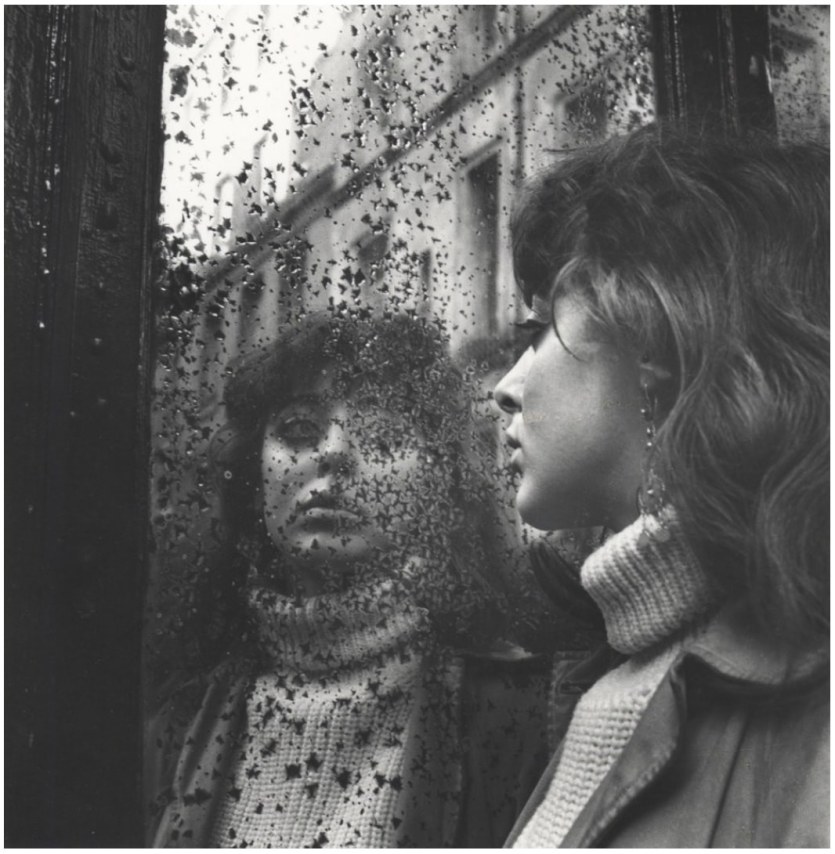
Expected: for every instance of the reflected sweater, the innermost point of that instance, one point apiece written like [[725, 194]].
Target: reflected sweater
[[653, 594], [343, 724]]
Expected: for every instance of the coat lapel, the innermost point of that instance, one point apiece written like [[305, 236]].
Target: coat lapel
[[645, 756], [571, 680], [207, 759]]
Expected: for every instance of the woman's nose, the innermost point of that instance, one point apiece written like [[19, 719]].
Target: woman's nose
[[508, 390], [336, 451]]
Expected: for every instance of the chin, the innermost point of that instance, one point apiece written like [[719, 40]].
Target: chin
[[537, 519], [552, 514], [331, 547]]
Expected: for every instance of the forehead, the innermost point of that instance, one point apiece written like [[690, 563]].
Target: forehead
[[364, 396], [341, 383], [559, 308]]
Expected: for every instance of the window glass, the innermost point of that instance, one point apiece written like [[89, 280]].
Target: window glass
[[355, 163], [361, 155]]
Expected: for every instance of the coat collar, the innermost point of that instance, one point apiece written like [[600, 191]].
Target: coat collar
[[740, 657], [733, 646]]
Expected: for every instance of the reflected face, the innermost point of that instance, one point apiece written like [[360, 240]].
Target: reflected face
[[577, 434], [339, 478]]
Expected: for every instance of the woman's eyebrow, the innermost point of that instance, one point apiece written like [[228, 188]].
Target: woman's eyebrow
[[314, 400], [531, 321]]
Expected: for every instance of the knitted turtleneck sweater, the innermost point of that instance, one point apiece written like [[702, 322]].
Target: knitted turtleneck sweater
[[653, 594], [331, 720]]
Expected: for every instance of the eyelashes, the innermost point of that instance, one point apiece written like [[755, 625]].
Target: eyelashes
[[298, 429], [534, 327], [388, 439]]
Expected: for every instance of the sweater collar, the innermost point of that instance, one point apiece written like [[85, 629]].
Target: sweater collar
[[648, 583], [320, 634]]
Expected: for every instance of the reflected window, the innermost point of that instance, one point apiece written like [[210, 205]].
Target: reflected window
[[479, 212], [372, 253], [487, 23], [426, 279]]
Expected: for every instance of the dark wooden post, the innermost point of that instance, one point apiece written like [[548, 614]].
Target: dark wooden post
[[82, 160]]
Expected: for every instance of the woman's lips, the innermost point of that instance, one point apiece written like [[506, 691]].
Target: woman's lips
[[514, 449], [317, 512], [330, 517], [515, 460]]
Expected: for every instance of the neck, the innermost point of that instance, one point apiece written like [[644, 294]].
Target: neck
[[302, 577], [346, 629]]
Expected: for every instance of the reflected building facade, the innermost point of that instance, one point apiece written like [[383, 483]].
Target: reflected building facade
[[410, 133]]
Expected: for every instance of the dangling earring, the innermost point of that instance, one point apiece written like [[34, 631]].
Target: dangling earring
[[651, 493]]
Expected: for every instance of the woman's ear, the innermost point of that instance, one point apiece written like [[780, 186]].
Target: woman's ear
[[657, 382], [654, 374]]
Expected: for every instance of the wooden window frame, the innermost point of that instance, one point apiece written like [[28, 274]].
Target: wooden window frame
[[83, 166]]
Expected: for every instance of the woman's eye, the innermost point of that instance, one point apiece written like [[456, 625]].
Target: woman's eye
[[299, 429], [534, 329]]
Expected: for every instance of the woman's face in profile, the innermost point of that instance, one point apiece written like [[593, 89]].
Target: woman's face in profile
[[339, 477], [577, 434]]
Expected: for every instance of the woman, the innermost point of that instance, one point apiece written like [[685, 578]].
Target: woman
[[343, 712], [679, 307]]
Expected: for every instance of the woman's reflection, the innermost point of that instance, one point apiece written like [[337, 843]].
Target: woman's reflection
[[343, 711]]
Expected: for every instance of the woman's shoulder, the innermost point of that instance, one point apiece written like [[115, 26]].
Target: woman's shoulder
[[181, 698]]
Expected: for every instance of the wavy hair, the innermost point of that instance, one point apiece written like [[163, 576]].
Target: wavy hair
[[712, 257]]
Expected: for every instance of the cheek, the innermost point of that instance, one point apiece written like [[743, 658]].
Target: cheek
[[280, 476], [397, 484], [577, 416], [552, 399], [594, 394], [395, 474]]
